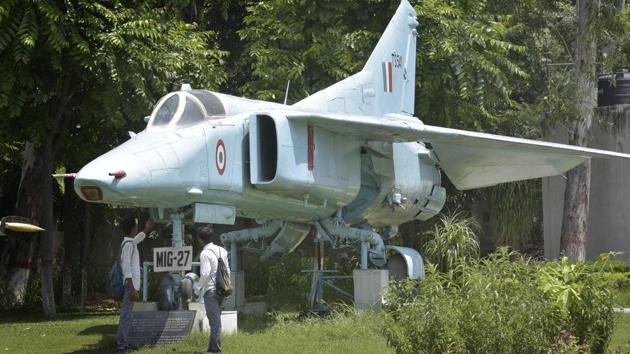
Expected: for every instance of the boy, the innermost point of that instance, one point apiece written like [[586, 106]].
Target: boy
[[209, 264], [130, 263]]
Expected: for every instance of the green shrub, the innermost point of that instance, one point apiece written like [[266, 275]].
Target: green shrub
[[617, 265], [425, 323], [287, 285], [616, 280], [500, 304], [582, 295], [453, 241]]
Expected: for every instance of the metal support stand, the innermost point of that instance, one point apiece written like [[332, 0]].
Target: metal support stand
[[176, 219], [234, 257], [364, 255], [145, 280], [315, 298]]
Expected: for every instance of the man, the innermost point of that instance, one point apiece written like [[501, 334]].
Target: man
[[209, 264], [130, 263]]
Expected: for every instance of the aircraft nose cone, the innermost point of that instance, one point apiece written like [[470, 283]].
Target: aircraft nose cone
[[113, 177]]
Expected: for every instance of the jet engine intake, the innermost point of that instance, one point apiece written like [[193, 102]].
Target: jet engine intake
[[298, 160]]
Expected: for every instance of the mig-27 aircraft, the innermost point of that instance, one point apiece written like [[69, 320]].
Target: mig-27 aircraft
[[349, 160]]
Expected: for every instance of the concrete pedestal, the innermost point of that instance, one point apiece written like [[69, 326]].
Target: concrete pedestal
[[145, 306], [237, 299], [253, 308], [369, 288], [229, 320]]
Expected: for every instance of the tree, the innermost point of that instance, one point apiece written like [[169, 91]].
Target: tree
[[595, 22], [464, 64], [575, 215], [91, 67], [311, 44]]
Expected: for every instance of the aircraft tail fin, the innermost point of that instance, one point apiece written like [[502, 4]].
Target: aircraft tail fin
[[387, 82]]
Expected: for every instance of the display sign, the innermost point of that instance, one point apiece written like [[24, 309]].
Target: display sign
[[170, 259], [159, 327]]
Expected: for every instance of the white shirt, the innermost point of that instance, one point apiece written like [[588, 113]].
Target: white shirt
[[209, 265], [130, 259]]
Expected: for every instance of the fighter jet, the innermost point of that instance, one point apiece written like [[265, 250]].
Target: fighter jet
[[348, 160]]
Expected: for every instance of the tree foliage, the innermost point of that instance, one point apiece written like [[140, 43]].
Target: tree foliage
[[313, 44], [73, 73], [464, 63], [112, 59], [514, 211]]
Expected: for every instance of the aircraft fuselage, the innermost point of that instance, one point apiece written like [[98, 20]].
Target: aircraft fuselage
[[263, 165]]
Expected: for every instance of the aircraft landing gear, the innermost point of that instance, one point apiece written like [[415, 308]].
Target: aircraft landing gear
[[372, 246]]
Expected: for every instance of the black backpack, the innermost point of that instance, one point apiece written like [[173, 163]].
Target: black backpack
[[223, 283]]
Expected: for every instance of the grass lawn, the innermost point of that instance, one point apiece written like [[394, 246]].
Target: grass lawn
[[621, 298], [96, 333], [621, 336], [286, 333]]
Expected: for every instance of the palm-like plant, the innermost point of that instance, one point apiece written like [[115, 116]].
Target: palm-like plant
[[453, 241]]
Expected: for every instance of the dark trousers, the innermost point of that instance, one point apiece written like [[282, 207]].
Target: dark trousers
[[124, 324], [213, 311]]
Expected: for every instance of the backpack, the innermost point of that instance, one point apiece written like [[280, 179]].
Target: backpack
[[116, 281], [223, 283]]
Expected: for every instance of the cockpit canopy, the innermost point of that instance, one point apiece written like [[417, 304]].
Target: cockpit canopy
[[185, 108]]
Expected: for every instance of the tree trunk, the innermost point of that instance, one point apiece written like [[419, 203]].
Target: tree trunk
[[47, 238], [87, 236], [28, 205], [71, 240], [49, 148], [576, 197]]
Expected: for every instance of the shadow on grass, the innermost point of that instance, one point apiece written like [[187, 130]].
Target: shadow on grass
[[12, 317], [100, 329], [107, 342]]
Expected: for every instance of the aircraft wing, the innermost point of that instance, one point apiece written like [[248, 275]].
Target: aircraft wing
[[470, 159]]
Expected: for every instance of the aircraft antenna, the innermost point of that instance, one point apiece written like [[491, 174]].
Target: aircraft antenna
[[286, 94]]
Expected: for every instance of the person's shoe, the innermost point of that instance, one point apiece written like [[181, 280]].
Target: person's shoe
[[125, 350]]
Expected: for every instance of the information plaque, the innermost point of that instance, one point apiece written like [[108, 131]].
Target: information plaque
[[171, 259], [159, 327]]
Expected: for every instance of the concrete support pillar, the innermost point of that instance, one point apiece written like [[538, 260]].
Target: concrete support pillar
[[369, 288], [237, 299], [229, 320]]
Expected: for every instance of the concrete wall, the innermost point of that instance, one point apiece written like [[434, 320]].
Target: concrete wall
[[609, 216]]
